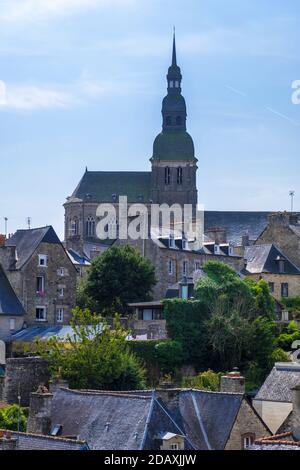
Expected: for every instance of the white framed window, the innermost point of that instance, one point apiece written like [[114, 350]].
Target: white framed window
[[184, 268], [174, 446], [248, 440], [41, 313], [216, 249], [61, 292], [62, 272], [43, 259], [60, 314], [170, 267], [12, 324]]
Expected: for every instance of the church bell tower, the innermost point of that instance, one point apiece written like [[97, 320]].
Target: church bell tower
[[174, 165]]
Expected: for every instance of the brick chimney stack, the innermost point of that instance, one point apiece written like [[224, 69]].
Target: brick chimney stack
[[233, 382], [39, 420], [7, 442]]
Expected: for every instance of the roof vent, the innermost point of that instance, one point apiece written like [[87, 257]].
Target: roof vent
[[107, 427]]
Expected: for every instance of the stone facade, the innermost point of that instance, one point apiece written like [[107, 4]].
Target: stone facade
[[39, 419], [247, 425], [277, 281], [160, 258], [283, 230], [23, 376]]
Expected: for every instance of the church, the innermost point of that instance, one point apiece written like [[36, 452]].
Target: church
[[172, 179]]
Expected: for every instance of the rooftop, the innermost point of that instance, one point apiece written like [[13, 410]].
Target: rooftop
[[280, 381]]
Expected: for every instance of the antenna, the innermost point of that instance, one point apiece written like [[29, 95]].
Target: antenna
[[28, 221], [5, 221], [292, 195]]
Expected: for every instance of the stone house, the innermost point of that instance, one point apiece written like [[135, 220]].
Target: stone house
[[274, 401], [165, 419], [268, 262], [42, 275], [12, 313], [283, 230]]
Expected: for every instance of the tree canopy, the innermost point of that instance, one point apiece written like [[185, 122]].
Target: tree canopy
[[118, 277]]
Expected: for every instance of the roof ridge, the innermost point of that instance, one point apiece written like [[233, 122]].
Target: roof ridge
[[43, 436], [105, 392]]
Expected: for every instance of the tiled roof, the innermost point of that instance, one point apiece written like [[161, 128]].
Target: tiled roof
[[27, 441], [9, 302], [284, 441], [280, 381], [296, 229], [27, 241], [262, 259], [101, 186]]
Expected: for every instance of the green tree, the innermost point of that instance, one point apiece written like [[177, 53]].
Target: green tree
[[290, 334], [117, 277], [13, 417], [95, 356], [208, 380]]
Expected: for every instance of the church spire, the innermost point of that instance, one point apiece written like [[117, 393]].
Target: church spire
[[174, 58]]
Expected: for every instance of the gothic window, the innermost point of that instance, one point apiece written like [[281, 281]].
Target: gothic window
[[167, 175], [171, 84], [178, 121], [90, 227], [177, 84], [74, 227], [168, 121], [179, 175]]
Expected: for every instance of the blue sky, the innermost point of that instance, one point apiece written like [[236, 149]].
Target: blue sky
[[81, 84]]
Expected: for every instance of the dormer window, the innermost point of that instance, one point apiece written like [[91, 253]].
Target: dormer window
[[216, 249], [172, 243], [184, 244], [167, 175], [281, 266]]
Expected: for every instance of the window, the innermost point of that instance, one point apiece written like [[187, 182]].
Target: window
[[60, 315], [172, 243], [247, 440], [61, 291], [167, 175], [184, 268], [174, 447], [43, 260], [90, 227], [62, 271], [178, 121], [170, 267], [231, 250], [284, 289], [176, 84], [216, 249], [171, 84], [74, 227], [281, 266], [271, 286], [179, 175], [184, 244], [197, 265], [168, 121], [40, 285], [40, 314], [12, 324]]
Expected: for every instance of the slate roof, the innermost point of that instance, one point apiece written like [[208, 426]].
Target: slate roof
[[237, 223], [9, 302], [111, 420], [78, 259], [296, 229], [61, 332], [262, 259], [100, 186], [207, 417], [280, 381], [27, 241], [39, 442]]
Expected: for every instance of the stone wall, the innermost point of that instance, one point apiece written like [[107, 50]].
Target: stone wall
[[39, 419], [293, 280], [247, 423], [24, 283], [24, 375]]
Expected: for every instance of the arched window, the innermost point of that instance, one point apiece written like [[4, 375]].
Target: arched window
[[179, 175], [177, 84], [168, 121], [90, 227], [178, 121], [171, 84], [73, 227], [167, 175]]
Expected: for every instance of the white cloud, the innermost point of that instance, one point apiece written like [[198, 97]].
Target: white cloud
[[32, 10]]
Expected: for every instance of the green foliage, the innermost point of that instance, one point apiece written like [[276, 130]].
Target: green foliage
[[170, 355], [279, 355], [264, 303], [118, 277], [95, 357], [207, 380], [290, 334], [11, 416], [292, 304]]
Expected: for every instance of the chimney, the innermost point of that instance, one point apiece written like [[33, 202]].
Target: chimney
[[296, 412], [279, 219], [245, 240], [7, 442], [39, 419], [217, 234], [233, 382], [169, 396], [2, 240]]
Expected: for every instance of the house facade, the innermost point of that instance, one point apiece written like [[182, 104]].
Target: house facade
[[12, 313], [42, 275]]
